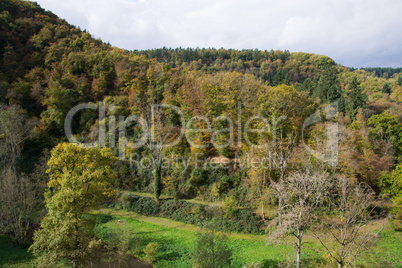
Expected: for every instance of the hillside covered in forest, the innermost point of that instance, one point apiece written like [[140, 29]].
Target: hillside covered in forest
[[243, 122]]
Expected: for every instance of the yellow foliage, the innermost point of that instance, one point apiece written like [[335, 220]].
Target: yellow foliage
[[86, 172]]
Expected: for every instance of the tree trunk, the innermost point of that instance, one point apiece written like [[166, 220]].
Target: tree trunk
[[279, 211], [213, 250], [298, 249], [158, 182], [262, 209], [261, 197], [299, 238]]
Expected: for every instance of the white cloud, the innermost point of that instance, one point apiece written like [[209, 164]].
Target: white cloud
[[354, 33]]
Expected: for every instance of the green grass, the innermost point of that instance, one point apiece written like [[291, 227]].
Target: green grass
[[387, 252], [167, 222], [11, 256], [177, 245]]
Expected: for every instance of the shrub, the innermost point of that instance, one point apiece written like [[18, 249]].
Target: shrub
[[197, 177], [225, 182], [216, 189], [212, 211], [178, 210], [227, 218], [168, 207], [128, 200], [150, 251], [139, 204], [146, 206], [215, 174], [229, 206], [250, 223], [197, 210], [104, 218]]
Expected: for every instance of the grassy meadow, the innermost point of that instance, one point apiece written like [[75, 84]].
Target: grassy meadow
[[177, 242]]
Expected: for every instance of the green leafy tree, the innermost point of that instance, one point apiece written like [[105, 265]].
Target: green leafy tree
[[285, 108], [391, 187], [328, 87], [386, 88], [357, 99], [198, 177], [342, 105], [391, 183], [386, 127], [80, 178], [399, 81], [308, 85]]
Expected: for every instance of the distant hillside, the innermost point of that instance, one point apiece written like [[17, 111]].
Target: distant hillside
[[385, 72], [275, 67]]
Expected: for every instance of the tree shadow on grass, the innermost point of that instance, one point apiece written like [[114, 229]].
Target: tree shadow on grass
[[309, 262], [161, 230], [11, 255], [269, 263]]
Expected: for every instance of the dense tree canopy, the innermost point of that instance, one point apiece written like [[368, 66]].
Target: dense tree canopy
[[249, 118]]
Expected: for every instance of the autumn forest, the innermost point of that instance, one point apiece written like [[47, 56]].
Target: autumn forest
[[260, 158]]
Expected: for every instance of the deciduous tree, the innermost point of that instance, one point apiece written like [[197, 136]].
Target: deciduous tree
[[351, 212], [80, 178], [303, 192]]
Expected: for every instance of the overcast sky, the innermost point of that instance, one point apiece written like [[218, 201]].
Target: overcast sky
[[355, 33]]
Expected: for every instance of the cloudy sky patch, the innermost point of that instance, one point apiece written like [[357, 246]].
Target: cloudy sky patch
[[354, 33]]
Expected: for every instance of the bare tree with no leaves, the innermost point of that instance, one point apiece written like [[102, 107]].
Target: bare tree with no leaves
[[20, 194], [15, 128], [351, 209], [302, 192], [20, 203]]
